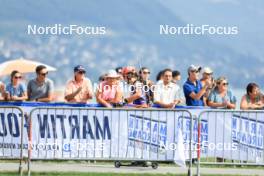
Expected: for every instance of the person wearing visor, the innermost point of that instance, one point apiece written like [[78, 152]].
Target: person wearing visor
[[41, 88], [193, 89], [79, 89]]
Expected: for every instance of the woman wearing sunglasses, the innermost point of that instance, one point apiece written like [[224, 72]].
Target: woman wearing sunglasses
[[15, 90], [221, 96]]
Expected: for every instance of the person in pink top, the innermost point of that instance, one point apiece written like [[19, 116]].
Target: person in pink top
[[79, 89], [109, 93]]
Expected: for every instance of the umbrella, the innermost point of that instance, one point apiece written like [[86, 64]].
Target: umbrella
[[22, 65]]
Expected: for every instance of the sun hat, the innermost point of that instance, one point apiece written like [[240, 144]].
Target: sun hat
[[207, 70], [112, 74]]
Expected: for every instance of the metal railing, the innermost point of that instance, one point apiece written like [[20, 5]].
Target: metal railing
[[228, 137], [215, 137], [69, 133], [12, 134]]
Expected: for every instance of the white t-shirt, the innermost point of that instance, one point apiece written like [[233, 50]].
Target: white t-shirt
[[167, 94]]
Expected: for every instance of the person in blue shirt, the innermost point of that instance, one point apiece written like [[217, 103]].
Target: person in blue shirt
[[221, 96], [15, 90], [193, 90]]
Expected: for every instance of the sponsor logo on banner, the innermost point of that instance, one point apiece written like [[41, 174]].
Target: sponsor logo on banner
[[145, 132], [184, 123], [248, 134]]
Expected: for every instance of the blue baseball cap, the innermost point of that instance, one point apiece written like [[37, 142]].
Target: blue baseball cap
[[79, 68]]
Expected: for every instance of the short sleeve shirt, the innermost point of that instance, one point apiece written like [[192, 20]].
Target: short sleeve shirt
[[188, 88], [19, 90], [216, 98], [36, 90], [166, 93], [72, 87], [108, 92]]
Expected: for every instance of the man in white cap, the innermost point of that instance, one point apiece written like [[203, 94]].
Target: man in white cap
[[79, 89], [193, 89], [207, 74]]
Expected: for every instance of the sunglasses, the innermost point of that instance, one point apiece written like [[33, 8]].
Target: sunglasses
[[146, 73], [209, 74], [195, 71], [81, 72], [225, 84], [44, 74], [18, 77]]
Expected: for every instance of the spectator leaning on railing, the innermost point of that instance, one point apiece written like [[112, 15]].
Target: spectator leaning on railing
[[16, 90], [109, 93], [193, 89], [41, 88], [221, 96], [137, 96], [253, 99], [167, 93], [144, 78], [79, 89]]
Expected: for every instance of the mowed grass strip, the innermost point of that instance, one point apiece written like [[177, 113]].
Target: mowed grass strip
[[97, 174]]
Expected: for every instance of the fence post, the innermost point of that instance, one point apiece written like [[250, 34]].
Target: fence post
[[19, 155], [21, 144], [190, 146], [199, 146]]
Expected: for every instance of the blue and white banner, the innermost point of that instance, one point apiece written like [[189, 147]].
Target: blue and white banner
[[11, 132], [104, 134], [233, 135], [83, 133], [64, 132]]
